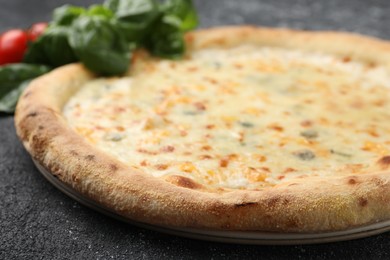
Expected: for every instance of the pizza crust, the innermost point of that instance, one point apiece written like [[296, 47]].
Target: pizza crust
[[312, 204]]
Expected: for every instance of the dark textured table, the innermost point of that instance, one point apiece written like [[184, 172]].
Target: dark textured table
[[37, 221]]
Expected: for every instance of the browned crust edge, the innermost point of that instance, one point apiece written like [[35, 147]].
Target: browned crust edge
[[316, 206]]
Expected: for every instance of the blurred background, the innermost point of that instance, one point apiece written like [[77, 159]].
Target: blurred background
[[364, 16]]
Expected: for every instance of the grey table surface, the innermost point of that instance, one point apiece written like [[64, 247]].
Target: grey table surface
[[37, 221]]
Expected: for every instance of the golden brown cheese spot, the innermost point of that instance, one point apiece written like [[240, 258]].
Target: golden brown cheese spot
[[306, 123], [346, 59], [246, 117], [168, 149], [224, 162], [161, 167]]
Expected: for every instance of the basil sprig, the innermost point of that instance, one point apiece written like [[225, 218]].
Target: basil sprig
[[103, 38], [13, 80]]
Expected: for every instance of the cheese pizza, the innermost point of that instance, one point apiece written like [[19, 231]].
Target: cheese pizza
[[254, 129]]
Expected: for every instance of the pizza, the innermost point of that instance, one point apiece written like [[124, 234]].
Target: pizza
[[254, 129]]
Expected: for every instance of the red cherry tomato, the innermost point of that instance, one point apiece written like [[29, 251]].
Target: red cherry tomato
[[13, 44], [36, 30]]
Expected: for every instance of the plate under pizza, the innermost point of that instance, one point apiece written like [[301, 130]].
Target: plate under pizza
[[261, 133]]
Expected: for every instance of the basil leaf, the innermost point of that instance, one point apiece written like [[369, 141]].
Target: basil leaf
[[185, 12], [111, 4], [100, 10], [166, 39], [52, 48], [66, 14], [9, 100], [13, 79], [99, 45], [132, 32], [102, 37], [136, 11], [19, 72], [133, 18]]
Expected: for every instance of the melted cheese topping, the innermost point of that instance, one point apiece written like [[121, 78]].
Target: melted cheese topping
[[245, 117]]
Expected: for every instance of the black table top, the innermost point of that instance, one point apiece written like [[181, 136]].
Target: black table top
[[38, 221]]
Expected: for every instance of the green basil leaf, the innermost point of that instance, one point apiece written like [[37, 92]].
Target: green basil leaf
[[136, 11], [100, 10], [65, 14], [133, 18], [13, 79], [185, 11], [99, 45], [9, 100], [52, 48], [102, 37], [19, 72], [166, 40], [111, 4], [132, 32]]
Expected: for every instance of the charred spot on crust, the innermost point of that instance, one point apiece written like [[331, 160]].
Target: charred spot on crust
[[384, 162], [90, 157], [113, 167], [55, 170], [184, 182], [352, 180], [73, 152], [273, 201], [38, 144], [292, 223], [41, 127], [32, 114], [285, 201], [244, 204], [362, 202]]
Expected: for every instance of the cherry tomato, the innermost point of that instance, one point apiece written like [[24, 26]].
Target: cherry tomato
[[13, 44], [36, 30]]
